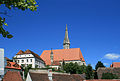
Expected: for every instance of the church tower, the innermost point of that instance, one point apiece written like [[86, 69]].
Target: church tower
[[51, 56], [66, 43]]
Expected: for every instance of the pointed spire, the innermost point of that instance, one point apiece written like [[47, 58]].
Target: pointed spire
[[66, 28], [66, 43]]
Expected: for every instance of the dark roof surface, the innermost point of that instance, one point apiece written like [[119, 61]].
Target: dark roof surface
[[101, 70], [56, 77], [12, 76], [103, 80]]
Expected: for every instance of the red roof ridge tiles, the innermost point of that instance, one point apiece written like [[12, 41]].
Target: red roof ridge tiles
[[60, 54], [62, 49]]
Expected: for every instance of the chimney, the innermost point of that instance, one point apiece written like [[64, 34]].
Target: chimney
[[50, 74], [1, 62]]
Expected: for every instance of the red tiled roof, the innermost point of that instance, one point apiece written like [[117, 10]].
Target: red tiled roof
[[12, 76], [56, 63], [13, 65], [60, 54], [28, 52], [115, 64], [104, 80], [20, 52]]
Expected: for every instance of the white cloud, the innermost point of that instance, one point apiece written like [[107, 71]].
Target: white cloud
[[112, 56], [105, 64]]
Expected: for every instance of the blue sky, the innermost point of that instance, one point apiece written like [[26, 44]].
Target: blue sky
[[93, 27]]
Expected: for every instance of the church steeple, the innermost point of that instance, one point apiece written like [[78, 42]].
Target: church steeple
[[66, 43]]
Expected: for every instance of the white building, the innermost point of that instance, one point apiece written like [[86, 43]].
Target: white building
[[1, 63], [29, 58]]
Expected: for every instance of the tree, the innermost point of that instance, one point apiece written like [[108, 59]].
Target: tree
[[71, 68], [99, 64], [81, 69], [89, 72], [74, 68], [20, 4], [109, 76], [26, 69], [63, 64]]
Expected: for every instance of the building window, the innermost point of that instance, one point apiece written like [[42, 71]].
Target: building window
[[31, 60], [18, 61], [27, 60], [22, 61]]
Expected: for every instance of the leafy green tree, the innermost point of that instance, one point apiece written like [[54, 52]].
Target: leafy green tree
[[109, 76], [20, 4], [95, 75], [71, 67], [63, 65], [89, 72], [74, 68], [81, 69], [26, 69], [99, 64]]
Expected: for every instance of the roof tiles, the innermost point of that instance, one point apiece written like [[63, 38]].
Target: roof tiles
[[56, 77], [28, 52], [115, 64], [12, 76], [62, 54], [13, 65]]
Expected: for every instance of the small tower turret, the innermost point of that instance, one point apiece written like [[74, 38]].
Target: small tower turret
[[51, 56]]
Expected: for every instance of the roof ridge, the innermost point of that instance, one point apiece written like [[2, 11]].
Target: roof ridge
[[20, 52], [62, 49]]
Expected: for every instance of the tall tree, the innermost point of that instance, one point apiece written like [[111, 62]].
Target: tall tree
[[99, 64], [20, 4], [89, 72]]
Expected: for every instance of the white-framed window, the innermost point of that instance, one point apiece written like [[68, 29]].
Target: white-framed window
[[22, 61], [31, 60], [27, 60], [18, 61]]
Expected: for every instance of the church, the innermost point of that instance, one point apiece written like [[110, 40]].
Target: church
[[54, 58]]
